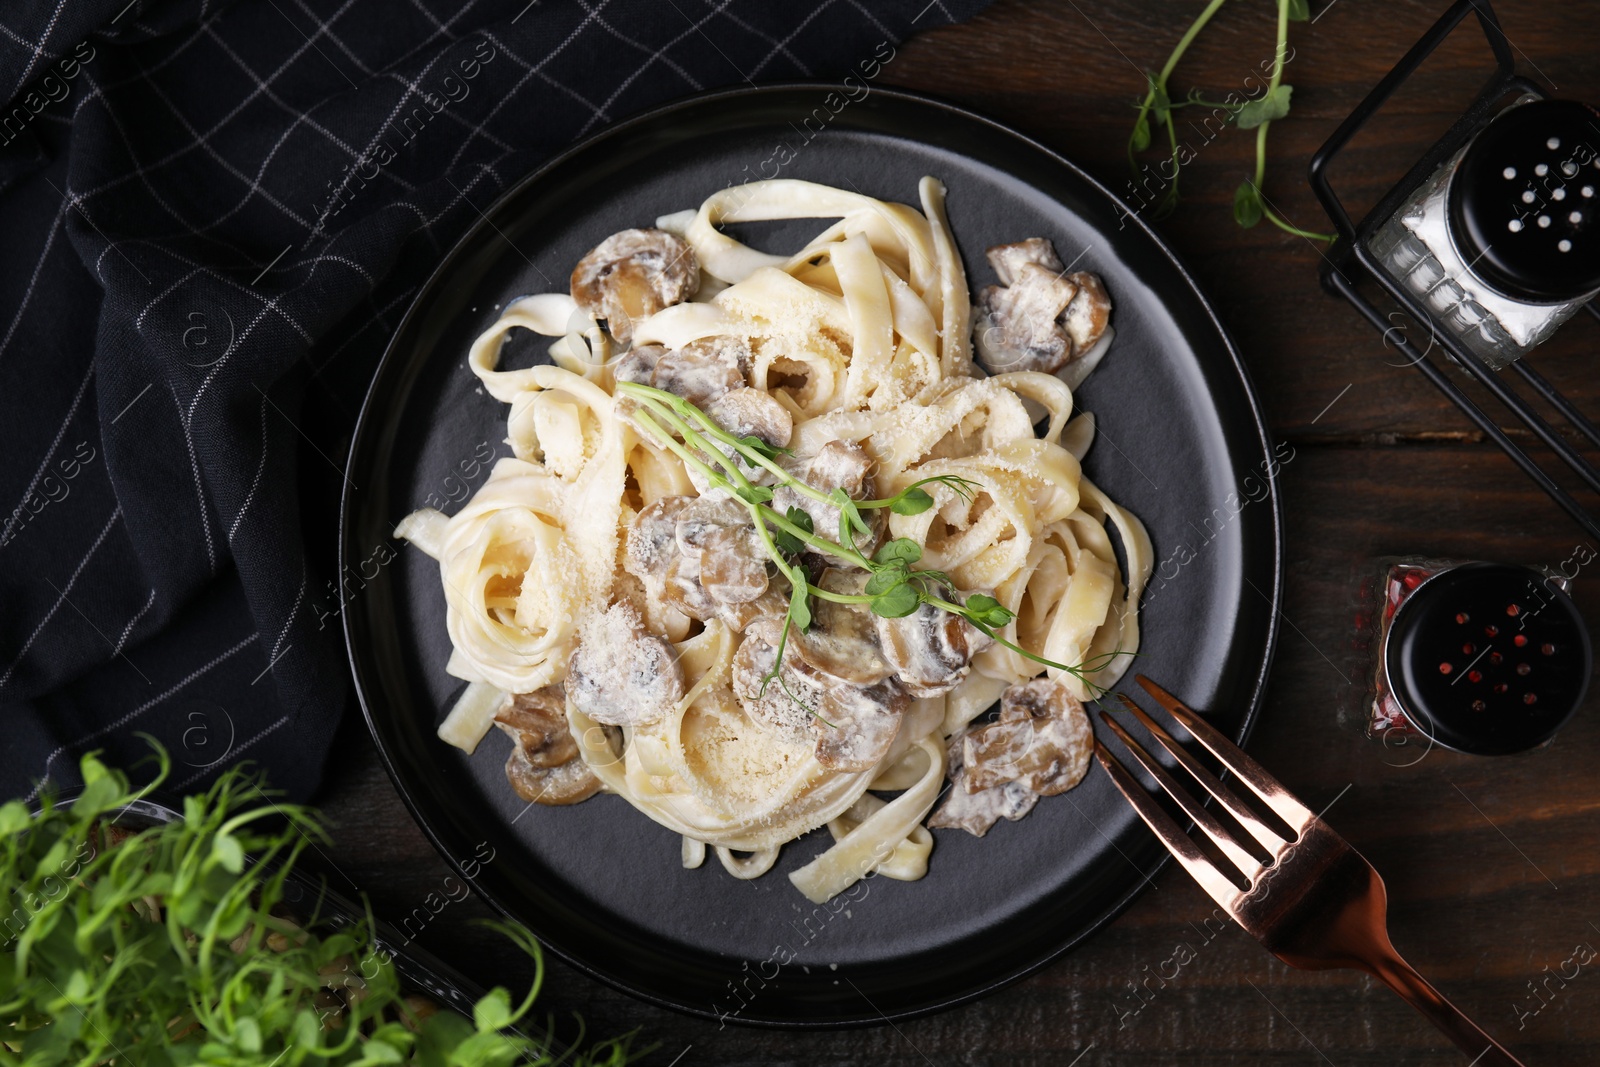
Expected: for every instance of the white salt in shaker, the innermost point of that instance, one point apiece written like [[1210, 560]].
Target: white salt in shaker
[[1502, 243]]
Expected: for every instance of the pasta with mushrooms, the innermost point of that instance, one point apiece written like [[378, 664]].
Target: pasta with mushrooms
[[773, 538]]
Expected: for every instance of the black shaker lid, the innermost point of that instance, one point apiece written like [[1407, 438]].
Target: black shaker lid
[[1488, 658], [1525, 202]]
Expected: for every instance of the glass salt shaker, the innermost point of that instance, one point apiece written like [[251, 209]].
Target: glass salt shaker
[[1502, 243], [1483, 658]]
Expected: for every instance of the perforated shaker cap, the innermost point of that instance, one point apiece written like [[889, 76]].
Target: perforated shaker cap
[[1525, 202], [1488, 658]]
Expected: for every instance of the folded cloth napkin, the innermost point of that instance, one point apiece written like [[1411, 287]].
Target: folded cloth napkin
[[212, 216]]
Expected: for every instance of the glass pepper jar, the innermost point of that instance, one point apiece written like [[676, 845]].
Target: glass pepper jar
[[1483, 658]]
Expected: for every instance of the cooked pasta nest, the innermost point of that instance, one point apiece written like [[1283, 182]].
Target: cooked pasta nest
[[778, 531]]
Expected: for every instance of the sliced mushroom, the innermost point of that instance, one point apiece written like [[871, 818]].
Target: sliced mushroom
[[857, 724], [930, 650], [1038, 747], [852, 725], [774, 602], [702, 557], [1009, 260], [783, 703], [542, 716], [837, 465], [702, 371], [753, 412], [622, 674], [741, 412], [632, 275], [732, 567], [684, 591], [1041, 739], [638, 365], [652, 543], [841, 465], [977, 812], [1040, 318], [720, 551], [544, 767], [842, 640], [706, 514], [1087, 317], [1017, 327]]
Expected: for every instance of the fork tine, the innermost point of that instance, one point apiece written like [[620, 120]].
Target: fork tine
[[1171, 834], [1265, 836], [1240, 857], [1251, 773]]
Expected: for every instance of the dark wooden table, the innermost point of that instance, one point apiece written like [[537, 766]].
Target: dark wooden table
[[1492, 865]]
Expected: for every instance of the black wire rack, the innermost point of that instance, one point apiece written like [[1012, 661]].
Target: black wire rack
[[1352, 257]]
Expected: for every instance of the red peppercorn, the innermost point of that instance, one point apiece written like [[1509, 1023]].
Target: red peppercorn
[[1445, 668], [1530, 698], [1523, 668], [1474, 677], [1548, 649], [1513, 610], [1520, 640], [1462, 619]]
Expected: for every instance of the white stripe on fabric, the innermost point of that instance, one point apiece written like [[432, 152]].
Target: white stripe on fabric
[[61, 599], [128, 629], [55, 443], [135, 713]]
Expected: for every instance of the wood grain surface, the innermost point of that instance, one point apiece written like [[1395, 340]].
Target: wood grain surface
[[1492, 865]]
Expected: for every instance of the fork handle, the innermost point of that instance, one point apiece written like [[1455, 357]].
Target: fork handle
[[1415, 990]]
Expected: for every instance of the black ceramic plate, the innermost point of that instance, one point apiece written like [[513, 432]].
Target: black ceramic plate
[[1181, 444]]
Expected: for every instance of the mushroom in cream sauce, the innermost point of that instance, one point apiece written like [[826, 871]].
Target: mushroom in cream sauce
[[701, 371], [702, 556], [859, 724], [632, 275], [621, 673], [931, 649], [753, 413], [836, 465], [1040, 318], [544, 767], [853, 724], [841, 641], [1038, 747]]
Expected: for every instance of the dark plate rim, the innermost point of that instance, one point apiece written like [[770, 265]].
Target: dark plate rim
[[416, 308]]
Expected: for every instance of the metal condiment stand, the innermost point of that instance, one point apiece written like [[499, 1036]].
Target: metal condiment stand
[[1351, 258]]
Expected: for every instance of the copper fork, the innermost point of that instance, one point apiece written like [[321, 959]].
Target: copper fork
[[1312, 900]]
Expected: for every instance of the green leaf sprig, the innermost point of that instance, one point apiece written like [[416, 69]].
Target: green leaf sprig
[[1249, 203], [172, 945], [894, 589]]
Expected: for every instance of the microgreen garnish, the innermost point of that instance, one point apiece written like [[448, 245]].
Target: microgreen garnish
[[893, 589], [988, 610], [1257, 113], [754, 494], [172, 944], [765, 448], [787, 542], [914, 500], [799, 608], [900, 550]]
